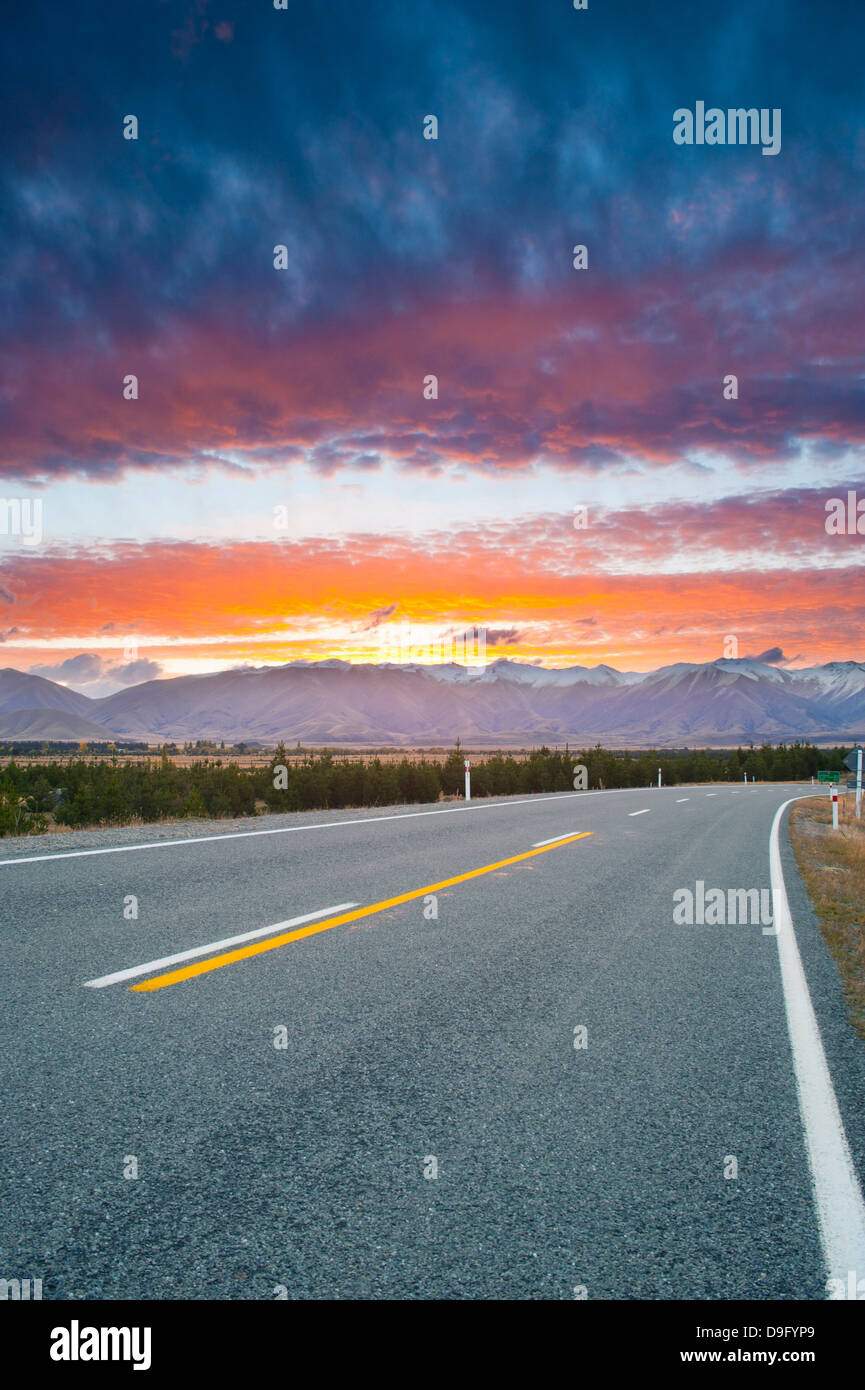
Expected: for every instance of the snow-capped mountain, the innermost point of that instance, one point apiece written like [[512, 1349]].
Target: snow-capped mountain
[[499, 704]]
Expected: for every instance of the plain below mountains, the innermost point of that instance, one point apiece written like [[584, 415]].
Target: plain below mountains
[[505, 703]]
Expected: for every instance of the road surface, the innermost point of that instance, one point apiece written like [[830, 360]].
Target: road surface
[[549, 1090]]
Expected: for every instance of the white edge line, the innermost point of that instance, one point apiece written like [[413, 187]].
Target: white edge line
[[837, 1195], [317, 825], [640, 813], [145, 969], [680, 799]]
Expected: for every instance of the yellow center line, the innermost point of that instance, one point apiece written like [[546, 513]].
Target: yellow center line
[[255, 948]]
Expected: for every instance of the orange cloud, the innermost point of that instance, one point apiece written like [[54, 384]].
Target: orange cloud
[[279, 600]]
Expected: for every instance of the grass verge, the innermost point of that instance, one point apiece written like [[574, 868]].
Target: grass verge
[[832, 863]]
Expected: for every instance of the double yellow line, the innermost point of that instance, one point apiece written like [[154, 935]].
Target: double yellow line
[[256, 948]]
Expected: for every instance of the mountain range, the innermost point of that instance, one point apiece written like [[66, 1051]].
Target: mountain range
[[505, 703]]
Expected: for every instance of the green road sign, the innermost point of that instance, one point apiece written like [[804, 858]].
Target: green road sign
[[828, 776]]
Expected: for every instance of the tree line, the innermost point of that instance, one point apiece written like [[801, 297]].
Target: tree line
[[77, 791]]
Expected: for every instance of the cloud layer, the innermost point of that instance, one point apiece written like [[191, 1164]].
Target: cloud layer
[[409, 258]]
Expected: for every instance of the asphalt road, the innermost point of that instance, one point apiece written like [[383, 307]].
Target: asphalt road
[[305, 1170]]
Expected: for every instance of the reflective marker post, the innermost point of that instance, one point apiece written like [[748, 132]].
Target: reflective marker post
[[468, 767], [834, 806]]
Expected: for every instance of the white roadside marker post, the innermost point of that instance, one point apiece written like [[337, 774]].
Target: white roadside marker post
[[859, 784], [468, 767], [659, 777], [834, 806]]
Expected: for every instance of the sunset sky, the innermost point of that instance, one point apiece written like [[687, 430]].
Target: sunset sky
[[281, 488]]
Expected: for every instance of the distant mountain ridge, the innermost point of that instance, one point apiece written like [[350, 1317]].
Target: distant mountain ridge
[[504, 703]]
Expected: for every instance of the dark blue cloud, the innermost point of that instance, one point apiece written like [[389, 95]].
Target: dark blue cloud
[[260, 127], [305, 129]]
